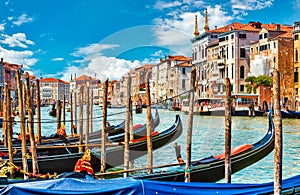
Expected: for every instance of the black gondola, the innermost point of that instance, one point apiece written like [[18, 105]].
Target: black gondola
[[114, 155], [211, 169], [117, 134]]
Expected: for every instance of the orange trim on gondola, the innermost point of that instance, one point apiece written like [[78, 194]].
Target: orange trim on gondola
[[234, 151], [144, 137]]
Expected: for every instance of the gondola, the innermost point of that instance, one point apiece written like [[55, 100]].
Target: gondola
[[52, 112], [118, 135], [114, 155], [290, 114], [138, 109], [211, 169]]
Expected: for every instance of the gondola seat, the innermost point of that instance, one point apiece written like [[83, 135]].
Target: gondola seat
[[235, 150]]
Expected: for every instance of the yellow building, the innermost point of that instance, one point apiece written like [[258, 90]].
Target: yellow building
[[296, 34]]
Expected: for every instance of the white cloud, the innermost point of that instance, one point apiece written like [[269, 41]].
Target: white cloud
[[160, 5], [157, 53], [94, 62], [2, 28], [93, 49], [104, 67], [57, 59], [176, 31], [18, 57], [22, 19], [241, 6], [16, 40], [296, 4]]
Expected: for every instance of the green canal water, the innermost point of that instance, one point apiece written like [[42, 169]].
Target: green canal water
[[207, 139]]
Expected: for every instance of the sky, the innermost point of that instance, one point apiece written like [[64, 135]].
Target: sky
[[108, 38]]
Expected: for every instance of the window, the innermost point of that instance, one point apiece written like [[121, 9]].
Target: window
[[183, 70], [232, 51], [242, 88], [242, 36], [227, 72], [232, 71], [242, 52], [274, 44], [227, 52], [274, 59], [251, 50], [265, 35], [183, 84], [232, 36], [296, 55], [260, 36], [296, 80], [296, 37], [242, 72], [256, 49], [221, 39]]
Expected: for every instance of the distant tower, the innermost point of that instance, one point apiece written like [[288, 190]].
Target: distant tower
[[206, 27], [196, 32]]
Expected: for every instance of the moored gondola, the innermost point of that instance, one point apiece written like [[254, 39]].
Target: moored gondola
[[211, 169], [117, 132], [114, 155]]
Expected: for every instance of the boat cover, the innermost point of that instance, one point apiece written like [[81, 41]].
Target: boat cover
[[144, 187]]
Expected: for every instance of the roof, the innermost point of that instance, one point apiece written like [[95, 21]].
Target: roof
[[15, 66], [85, 78], [52, 80], [179, 58]]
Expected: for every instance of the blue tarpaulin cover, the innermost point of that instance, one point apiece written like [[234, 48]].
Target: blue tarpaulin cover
[[144, 187]]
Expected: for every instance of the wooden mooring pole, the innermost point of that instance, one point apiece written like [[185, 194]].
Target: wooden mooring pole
[[58, 114], [278, 134], [72, 126], [28, 93], [9, 124], [38, 112], [227, 159], [190, 126], [22, 122], [81, 118], [149, 125], [127, 125], [104, 120], [87, 112]]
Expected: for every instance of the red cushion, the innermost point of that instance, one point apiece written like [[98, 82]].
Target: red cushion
[[144, 137], [235, 150], [137, 126]]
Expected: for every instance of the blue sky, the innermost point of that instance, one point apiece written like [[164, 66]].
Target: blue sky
[[107, 38]]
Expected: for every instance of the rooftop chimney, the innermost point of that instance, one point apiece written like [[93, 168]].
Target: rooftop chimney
[[278, 27]]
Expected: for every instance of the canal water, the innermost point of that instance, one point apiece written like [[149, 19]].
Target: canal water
[[207, 139]]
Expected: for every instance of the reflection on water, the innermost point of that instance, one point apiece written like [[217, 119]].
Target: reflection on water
[[208, 139]]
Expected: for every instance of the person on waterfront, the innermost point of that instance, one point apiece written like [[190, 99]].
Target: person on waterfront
[[251, 110], [74, 129]]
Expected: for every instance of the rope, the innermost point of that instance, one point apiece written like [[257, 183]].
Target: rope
[[31, 175]]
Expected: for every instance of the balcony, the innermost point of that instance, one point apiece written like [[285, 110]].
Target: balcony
[[221, 61]]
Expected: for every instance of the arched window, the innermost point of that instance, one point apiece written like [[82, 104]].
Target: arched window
[[242, 72]]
